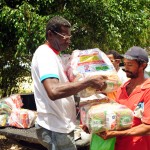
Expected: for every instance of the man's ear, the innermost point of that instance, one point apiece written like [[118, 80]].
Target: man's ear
[[118, 61], [50, 34], [144, 65]]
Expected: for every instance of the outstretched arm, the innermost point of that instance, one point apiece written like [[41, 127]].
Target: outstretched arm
[[56, 89], [142, 129]]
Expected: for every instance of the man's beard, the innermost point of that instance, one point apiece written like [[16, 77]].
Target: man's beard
[[130, 74]]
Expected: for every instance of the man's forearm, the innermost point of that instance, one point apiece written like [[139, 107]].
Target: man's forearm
[[68, 89], [139, 130]]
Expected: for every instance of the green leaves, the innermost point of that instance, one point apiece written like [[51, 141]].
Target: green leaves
[[106, 24]]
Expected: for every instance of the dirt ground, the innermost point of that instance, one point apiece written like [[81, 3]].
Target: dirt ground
[[7, 144], [10, 144]]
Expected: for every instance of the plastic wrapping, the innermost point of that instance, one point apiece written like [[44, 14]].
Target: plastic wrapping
[[14, 101], [5, 109], [22, 118], [106, 116], [90, 62], [4, 120], [5, 112], [12, 113]]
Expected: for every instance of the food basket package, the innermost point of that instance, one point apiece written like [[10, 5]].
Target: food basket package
[[107, 116], [90, 62]]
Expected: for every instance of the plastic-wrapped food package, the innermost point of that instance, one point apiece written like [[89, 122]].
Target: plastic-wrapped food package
[[83, 113], [107, 116], [123, 119], [65, 59], [96, 121], [85, 107], [22, 118], [5, 112], [90, 62], [4, 108], [110, 120], [11, 113], [4, 120], [14, 101]]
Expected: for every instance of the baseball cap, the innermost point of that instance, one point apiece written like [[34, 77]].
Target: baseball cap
[[137, 53]]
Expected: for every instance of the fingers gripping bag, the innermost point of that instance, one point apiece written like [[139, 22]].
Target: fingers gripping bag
[[90, 62]]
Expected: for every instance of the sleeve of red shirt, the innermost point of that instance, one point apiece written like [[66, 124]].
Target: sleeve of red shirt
[[146, 113]]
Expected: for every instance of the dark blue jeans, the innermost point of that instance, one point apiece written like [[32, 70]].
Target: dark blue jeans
[[54, 140]]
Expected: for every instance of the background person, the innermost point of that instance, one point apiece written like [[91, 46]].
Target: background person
[[135, 94], [56, 112], [116, 58]]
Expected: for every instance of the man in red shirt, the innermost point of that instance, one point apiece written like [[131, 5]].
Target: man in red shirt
[[135, 94]]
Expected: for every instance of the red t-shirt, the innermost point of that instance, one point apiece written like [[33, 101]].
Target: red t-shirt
[[139, 98]]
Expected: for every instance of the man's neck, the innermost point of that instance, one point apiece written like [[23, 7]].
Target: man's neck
[[55, 51], [117, 68], [137, 81], [134, 83]]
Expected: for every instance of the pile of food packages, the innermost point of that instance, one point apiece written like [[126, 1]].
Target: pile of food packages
[[12, 113], [91, 62], [103, 114]]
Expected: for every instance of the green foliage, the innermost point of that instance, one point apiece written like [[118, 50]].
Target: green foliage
[[111, 24], [107, 24]]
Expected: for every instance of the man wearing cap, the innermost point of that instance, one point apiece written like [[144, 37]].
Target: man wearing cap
[[135, 94]]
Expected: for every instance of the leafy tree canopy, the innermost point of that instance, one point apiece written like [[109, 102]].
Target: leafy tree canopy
[[107, 24]]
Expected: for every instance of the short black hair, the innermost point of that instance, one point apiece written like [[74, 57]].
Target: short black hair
[[55, 24], [115, 54]]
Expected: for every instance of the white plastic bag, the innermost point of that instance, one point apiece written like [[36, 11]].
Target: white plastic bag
[[109, 116], [90, 62]]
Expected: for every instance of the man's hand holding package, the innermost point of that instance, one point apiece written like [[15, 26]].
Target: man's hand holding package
[[106, 134], [98, 82]]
